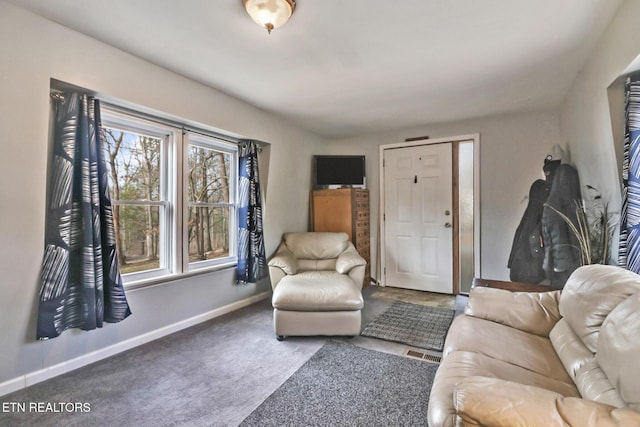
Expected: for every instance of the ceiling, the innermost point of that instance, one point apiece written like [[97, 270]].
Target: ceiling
[[340, 68]]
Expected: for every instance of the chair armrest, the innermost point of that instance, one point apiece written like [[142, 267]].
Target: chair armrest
[[349, 259], [284, 260], [275, 275], [493, 402], [510, 286], [533, 312], [281, 264]]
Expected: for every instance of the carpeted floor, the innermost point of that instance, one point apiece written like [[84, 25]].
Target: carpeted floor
[[212, 374], [345, 385], [412, 324]]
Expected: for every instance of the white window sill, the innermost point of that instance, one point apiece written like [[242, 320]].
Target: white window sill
[[168, 278]]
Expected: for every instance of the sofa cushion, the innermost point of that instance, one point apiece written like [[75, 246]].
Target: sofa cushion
[[589, 296], [534, 312], [316, 245], [317, 291], [459, 365], [619, 349], [492, 402], [506, 344]]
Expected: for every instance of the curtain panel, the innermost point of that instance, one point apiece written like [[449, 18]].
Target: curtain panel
[[252, 262], [629, 249], [81, 285]]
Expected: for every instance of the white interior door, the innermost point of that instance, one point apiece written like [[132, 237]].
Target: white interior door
[[418, 215]]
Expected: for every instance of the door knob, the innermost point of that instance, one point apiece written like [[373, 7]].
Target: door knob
[[447, 225]]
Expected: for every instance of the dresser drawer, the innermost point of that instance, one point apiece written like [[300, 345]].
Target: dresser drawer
[[362, 234], [362, 195], [362, 215], [361, 224]]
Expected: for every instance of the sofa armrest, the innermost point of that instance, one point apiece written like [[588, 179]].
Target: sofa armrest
[[493, 402], [349, 259], [533, 312], [510, 286]]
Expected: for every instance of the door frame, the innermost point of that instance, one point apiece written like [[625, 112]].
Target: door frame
[[475, 138]]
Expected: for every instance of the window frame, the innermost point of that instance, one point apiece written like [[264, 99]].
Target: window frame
[[174, 203]]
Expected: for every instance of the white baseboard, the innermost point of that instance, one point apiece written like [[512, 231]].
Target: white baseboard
[[44, 374]]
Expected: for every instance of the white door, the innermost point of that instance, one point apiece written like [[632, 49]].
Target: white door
[[418, 215]]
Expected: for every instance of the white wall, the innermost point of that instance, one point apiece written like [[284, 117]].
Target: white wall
[[33, 50], [512, 151], [586, 115]]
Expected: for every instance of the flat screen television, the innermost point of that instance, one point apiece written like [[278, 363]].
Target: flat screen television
[[339, 171]]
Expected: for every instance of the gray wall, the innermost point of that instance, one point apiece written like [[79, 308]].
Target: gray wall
[[512, 150], [33, 50], [592, 116], [513, 147]]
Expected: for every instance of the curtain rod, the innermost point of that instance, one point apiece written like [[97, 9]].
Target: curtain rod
[[58, 95]]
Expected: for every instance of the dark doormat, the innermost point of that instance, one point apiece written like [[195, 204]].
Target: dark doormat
[[412, 324]]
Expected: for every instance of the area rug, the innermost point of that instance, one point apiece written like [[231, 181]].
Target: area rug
[[412, 324], [346, 385]]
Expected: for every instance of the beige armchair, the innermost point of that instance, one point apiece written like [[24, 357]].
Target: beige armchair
[[317, 283]]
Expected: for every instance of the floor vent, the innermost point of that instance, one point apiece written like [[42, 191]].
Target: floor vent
[[434, 358]]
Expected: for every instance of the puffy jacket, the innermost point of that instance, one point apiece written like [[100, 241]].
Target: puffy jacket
[[527, 251], [562, 249]]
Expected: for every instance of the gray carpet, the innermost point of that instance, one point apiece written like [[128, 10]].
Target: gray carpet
[[346, 385], [412, 324], [212, 374]]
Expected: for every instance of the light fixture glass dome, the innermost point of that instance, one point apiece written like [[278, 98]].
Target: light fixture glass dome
[[270, 14]]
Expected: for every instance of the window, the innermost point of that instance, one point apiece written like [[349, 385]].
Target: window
[[210, 201], [174, 197]]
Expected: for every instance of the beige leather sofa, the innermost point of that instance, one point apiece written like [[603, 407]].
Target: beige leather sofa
[[317, 285], [544, 359]]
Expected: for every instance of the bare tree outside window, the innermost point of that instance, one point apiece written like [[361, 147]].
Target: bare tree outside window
[[173, 197], [209, 203], [133, 161]]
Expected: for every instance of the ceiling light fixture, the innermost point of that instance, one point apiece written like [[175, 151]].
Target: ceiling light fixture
[[270, 14]]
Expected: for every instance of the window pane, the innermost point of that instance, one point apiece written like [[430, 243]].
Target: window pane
[[137, 237], [133, 164], [208, 232], [208, 179], [466, 218], [133, 161]]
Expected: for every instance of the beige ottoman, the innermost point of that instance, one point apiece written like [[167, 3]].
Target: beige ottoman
[[317, 303]]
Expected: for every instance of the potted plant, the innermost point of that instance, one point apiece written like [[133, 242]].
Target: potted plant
[[593, 229]]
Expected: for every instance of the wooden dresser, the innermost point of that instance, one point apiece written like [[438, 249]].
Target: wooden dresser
[[346, 210]]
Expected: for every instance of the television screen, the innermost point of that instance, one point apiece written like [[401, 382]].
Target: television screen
[[339, 171]]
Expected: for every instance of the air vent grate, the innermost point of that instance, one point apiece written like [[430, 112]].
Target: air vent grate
[[434, 358]]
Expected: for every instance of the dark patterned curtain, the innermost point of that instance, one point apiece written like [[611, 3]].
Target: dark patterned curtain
[[629, 249], [252, 262], [80, 281]]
